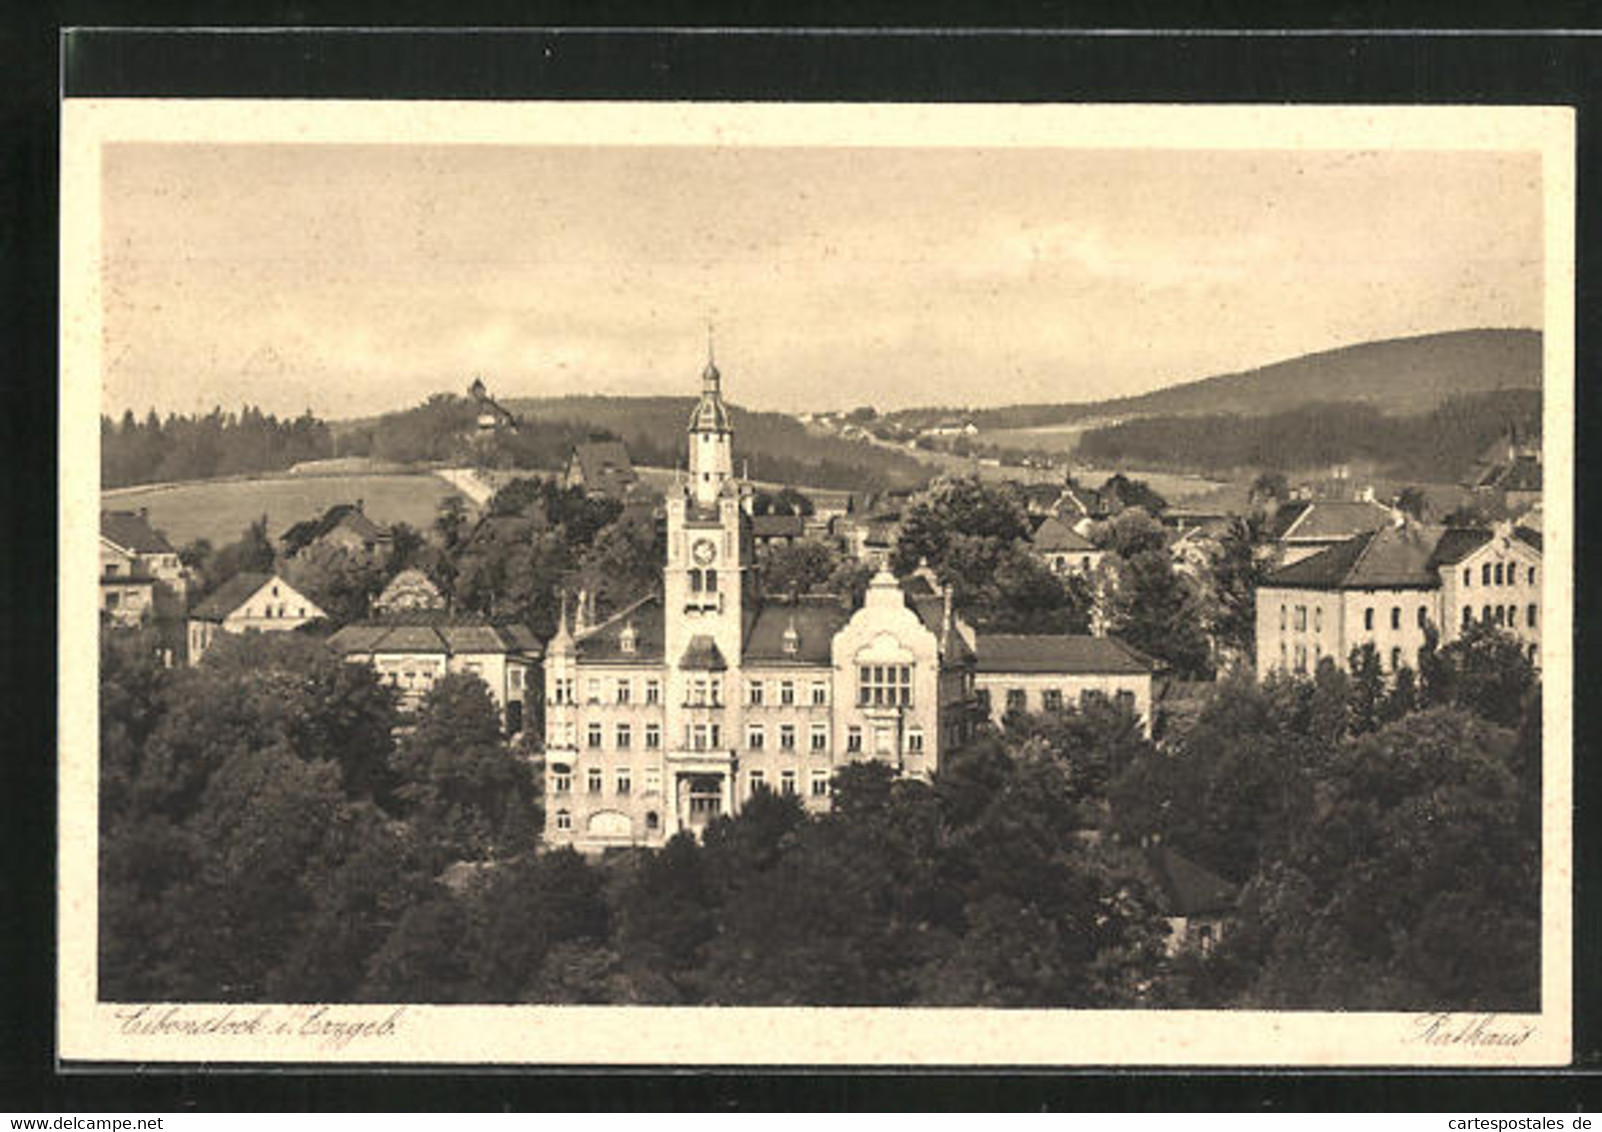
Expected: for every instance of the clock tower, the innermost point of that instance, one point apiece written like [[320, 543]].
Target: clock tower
[[708, 549]]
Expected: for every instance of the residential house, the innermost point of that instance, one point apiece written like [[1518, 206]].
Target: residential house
[[141, 578], [409, 591], [1063, 549], [411, 651], [1302, 528], [1197, 903], [1045, 673], [249, 603], [344, 526], [602, 468]]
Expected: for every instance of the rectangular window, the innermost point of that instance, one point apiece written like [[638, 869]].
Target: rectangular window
[[1301, 618], [653, 691], [755, 780], [1532, 575], [594, 780], [915, 741], [1318, 619], [653, 736], [625, 782], [1396, 617], [1283, 610], [786, 736], [787, 692], [516, 676], [564, 820], [1468, 576], [820, 784], [787, 782], [755, 737], [653, 781], [625, 736], [1531, 612], [698, 691], [1301, 658], [625, 690], [820, 693], [753, 692], [1125, 700], [593, 691], [561, 780], [1423, 616], [1485, 574], [1368, 619], [982, 698], [1017, 700], [884, 685], [562, 690], [1051, 699], [594, 736], [818, 738], [854, 739]]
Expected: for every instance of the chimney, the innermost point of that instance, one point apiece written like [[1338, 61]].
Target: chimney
[[361, 504]]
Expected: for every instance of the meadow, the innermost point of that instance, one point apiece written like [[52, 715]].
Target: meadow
[[220, 510]]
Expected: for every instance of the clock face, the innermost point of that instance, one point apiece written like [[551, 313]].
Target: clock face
[[704, 551]]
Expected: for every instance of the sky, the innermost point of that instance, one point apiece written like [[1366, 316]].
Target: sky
[[357, 279]]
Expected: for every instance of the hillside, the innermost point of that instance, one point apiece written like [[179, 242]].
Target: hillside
[[1400, 376]]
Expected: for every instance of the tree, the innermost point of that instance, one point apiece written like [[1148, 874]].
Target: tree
[[1413, 887], [1412, 501], [1485, 671], [451, 520], [466, 794], [624, 561], [342, 581], [800, 567], [1270, 486], [1152, 608]]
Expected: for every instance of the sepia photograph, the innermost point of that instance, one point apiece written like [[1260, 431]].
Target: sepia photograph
[[591, 583]]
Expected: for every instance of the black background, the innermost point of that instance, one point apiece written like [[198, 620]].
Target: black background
[[843, 55]]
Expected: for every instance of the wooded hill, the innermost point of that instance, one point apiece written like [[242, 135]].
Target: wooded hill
[[1397, 376]]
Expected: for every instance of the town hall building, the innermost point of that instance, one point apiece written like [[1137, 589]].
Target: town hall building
[[678, 707]]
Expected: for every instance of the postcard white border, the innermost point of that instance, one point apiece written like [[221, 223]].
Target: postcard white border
[[97, 1032]]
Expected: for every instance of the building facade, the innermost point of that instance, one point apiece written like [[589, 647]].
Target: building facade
[[249, 603], [141, 578], [411, 651], [682, 704], [1391, 587]]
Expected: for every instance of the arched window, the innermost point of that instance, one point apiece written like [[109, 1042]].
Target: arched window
[[652, 821], [1396, 617], [711, 581], [1485, 574], [564, 820], [1531, 612], [1485, 615], [1396, 659], [1423, 616], [1497, 573], [1532, 575], [695, 581], [1468, 576], [1368, 619], [1468, 615], [1501, 615]]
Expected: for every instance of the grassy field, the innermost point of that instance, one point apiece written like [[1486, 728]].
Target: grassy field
[[221, 510]]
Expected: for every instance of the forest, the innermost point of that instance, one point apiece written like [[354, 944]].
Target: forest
[[1438, 446], [218, 444], [266, 834]]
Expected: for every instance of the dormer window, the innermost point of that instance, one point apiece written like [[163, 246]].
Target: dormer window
[[628, 640], [792, 640]]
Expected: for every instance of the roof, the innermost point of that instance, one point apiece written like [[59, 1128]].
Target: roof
[[1059, 653], [429, 631], [133, 532], [350, 515], [777, 526], [1331, 520], [1457, 543], [702, 654], [1523, 474], [815, 618], [605, 465], [1056, 535], [1391, 558], [1187, 888], [230, 596], [605, 641], [931, 610], [414, 581], [1530, 538]]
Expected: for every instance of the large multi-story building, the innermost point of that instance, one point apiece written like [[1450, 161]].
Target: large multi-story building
[[682, 704], [1389, 587]]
